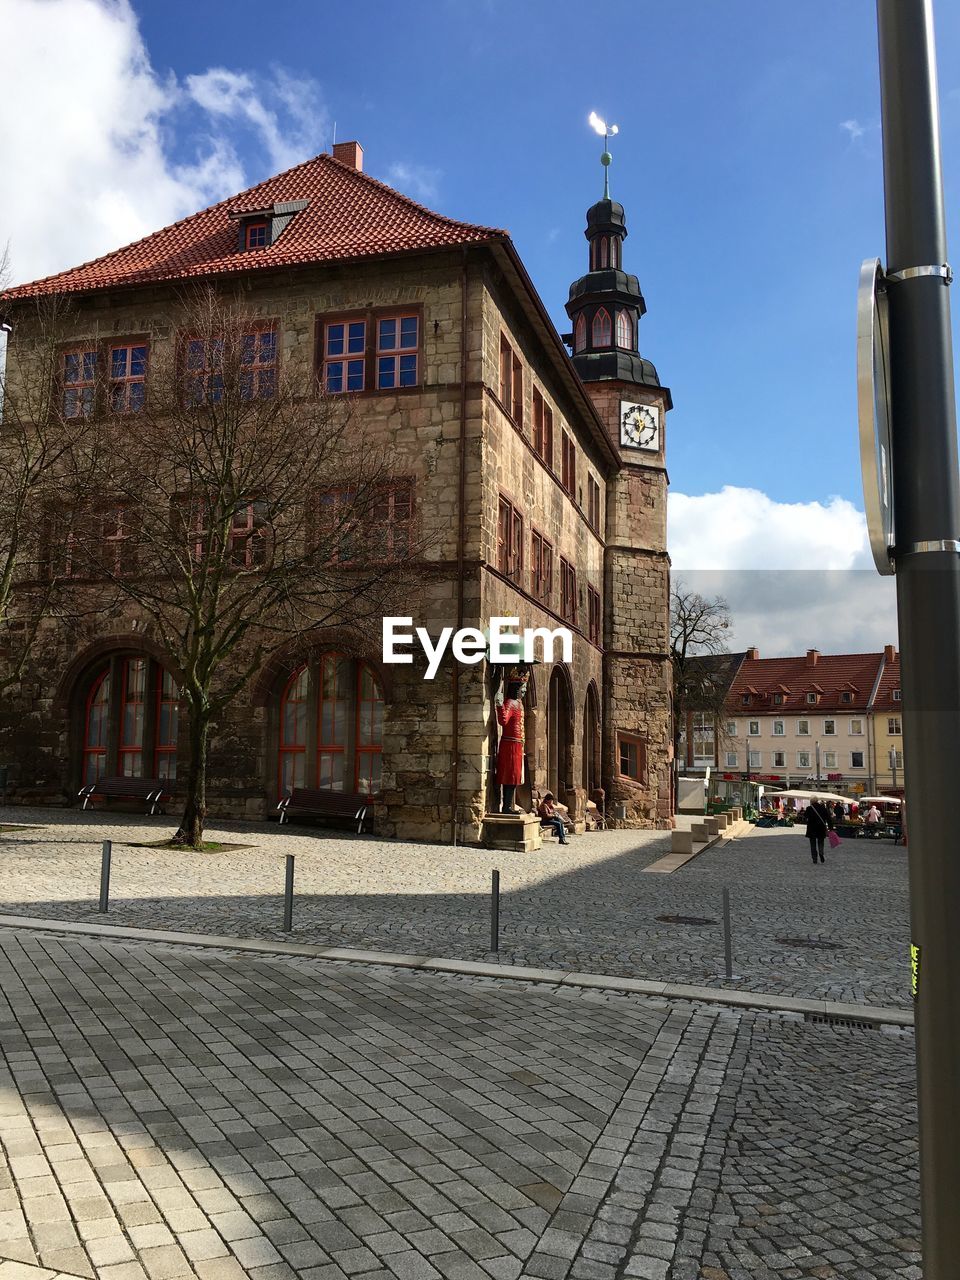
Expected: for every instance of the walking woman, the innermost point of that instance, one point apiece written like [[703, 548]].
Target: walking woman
[[818, 824]]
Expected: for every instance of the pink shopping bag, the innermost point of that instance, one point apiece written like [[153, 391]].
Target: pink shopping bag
[[834, 839]]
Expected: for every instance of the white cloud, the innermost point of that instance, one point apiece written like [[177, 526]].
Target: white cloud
[[414, 180], [86, 159], [854, 128], [797, 575], [740, 528]]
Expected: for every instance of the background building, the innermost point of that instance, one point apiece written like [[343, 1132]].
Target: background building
[[538, 480]]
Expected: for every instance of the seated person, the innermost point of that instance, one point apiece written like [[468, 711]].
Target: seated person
[[550, 817]]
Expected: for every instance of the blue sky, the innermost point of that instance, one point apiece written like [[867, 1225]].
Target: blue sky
[[748, 160], [750, 205]]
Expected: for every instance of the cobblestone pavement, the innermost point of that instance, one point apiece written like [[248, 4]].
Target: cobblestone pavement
[[837, 932], [168, 1111]]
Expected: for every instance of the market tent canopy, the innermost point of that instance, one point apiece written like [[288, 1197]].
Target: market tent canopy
[[809, 795], [880, 800]]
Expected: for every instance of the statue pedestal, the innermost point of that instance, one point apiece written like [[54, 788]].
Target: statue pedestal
[[516, 832]]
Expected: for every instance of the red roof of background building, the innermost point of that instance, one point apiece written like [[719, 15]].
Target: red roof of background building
[[349, 215], [832, 674], [889, 681]]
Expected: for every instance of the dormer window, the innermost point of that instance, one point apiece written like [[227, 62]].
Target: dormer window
[[255, 235], [811, 698], [745, 699], [896, 695], [846, 696], [778, 699]]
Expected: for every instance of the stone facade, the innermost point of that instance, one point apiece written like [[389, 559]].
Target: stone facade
[[439, 737]]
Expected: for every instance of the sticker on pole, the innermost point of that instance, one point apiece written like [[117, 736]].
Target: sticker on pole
[[914, 969]]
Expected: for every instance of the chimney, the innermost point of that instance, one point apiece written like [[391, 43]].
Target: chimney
[[753, 655], [349, 153], [813, 657], [889, 653]]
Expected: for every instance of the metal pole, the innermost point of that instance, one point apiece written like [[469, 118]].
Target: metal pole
[[926, 491], [288, 896], [105, 876], [727, 939], [495, 911]]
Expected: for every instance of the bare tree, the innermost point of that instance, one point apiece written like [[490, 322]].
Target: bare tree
[[39, 464], [243, 512], [698, 638]]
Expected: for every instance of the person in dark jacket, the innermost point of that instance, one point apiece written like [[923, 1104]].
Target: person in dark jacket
[[818, 824]]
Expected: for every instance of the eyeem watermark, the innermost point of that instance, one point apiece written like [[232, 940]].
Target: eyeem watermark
[[470, 645]]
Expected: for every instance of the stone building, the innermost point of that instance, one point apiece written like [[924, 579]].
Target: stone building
[[538, 475]]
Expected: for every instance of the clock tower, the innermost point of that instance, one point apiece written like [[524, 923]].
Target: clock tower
[[605, 308]]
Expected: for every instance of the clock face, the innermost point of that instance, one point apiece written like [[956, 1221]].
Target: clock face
[[639, 425]]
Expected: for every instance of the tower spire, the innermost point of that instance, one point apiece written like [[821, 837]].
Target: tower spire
[[608, 131]]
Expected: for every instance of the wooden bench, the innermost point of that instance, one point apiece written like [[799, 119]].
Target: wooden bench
[[152, 790], [307, 802]]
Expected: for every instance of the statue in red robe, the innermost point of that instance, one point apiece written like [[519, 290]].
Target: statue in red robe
[[510, 747]]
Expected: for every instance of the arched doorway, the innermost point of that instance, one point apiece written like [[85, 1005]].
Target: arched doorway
[[559, 735], [591, 740], [330, 726]]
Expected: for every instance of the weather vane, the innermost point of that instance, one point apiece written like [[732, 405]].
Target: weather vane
[[608, 131]]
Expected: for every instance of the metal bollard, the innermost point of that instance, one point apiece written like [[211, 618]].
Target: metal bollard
[[495, 911], [728, 940], [105, 876], [288, 896]]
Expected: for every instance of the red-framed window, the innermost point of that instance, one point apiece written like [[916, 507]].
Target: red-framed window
[[333, 712], [624, 330], [79, 375], [203, 361], [398, 346], [580, 333], [568, 462], [542, 428], [167, 727], [594, 623], [593, 502], [542, 567], [601, 328], [331, 726], [369, 750], [294, 708], [344, 356], [509, 539], [117, 547], [133, 683], [255, 234], [258, 365], [391, 522], [128, 376], [632, 753], [248, 534], [511, 381], [96, 721], [568, 591]]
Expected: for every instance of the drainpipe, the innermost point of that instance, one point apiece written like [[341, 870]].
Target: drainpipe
[[461, 539]]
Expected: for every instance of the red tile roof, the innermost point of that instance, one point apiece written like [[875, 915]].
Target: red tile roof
[[829, 676], [889, 681], [349, 215]]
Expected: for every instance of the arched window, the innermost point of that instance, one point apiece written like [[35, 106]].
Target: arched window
[[130, 720], [624, 330], [604, 252], [601, 328], [331, 727], [580, 333]]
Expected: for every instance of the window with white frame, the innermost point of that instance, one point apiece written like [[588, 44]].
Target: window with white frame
[[896, 695], [803, 728], [803, 759], [778, 699], [753, 729], [778, 728], [829, 759], [731, 759], [896, 759], [829, 727], [893, 725], [856, 728], [704, 738], [754, 759], [731, 728], [856, 759], [811, 698], [779, 759]]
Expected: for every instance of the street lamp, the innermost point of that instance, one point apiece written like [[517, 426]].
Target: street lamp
[[893, 767], [817, 748]]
